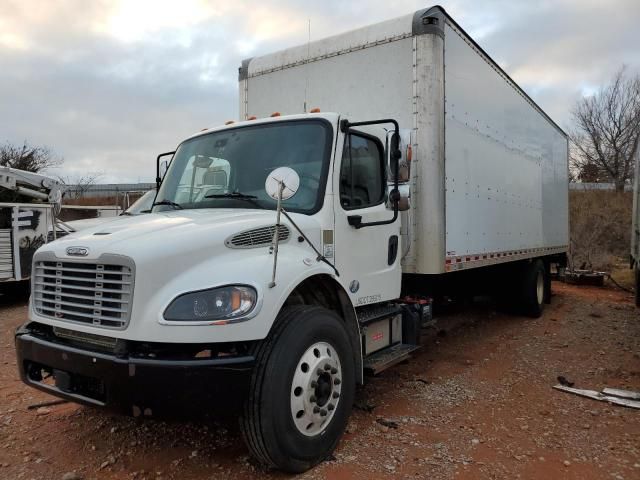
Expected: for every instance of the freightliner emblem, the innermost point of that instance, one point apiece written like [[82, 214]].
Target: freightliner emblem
[[77, 251]]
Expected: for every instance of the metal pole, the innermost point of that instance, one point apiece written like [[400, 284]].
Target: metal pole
[[276, 235]]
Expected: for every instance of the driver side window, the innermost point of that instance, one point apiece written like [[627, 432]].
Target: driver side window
[[361, 173]]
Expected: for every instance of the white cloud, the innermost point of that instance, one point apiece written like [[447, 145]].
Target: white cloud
[[108, 84]]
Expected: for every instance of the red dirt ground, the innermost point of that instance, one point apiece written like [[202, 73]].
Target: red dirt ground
[[475, 403]]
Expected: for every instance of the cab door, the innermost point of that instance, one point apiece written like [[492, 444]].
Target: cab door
[[367, 258]]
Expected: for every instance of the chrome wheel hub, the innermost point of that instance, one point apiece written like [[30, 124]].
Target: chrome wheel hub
[[315, 391]]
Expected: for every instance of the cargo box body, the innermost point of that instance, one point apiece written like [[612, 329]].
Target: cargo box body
[[490, 168]]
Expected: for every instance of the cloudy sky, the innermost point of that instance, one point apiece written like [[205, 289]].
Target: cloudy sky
[[108, 84]]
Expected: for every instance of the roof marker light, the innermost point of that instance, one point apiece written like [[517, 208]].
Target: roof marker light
[[229, 122], [314, 110], [252, 117], [275, 114], [204, 129]]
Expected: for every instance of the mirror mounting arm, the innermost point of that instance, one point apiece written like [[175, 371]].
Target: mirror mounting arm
[[158, 179], [356, 220]]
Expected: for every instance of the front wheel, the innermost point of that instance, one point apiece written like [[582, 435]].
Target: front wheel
[[301, 390]]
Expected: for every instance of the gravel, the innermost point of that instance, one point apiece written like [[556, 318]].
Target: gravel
[[475, 402]]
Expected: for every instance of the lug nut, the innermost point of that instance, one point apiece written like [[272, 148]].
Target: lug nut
[[316, 409], [314, 384], [319, 371], [312, 399], [331, 406], [335, 395], [327, 366], [334, 371], [323, 413], [336, 381]]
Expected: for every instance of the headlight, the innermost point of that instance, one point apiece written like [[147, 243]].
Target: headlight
[[217, 304]]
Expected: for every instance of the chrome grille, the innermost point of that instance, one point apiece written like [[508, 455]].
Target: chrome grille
[[90, 293], [257, 237]]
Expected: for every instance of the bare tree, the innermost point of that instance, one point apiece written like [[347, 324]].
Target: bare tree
[[591, 173], [27, 157], [607, 131], [78, 186]]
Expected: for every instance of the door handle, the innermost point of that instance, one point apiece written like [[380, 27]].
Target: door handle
[[393, 250], [355, 220]]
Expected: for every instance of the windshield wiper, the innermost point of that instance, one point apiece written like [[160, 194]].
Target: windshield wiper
[[232, 195], [175, 205], [237, 196]]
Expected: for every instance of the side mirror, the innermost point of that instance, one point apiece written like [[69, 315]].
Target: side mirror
[[403, 195], [399, 145], [282, 183], [166, 167]]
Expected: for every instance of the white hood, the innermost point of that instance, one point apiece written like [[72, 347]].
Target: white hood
[[188, 235], [184, 250], [85, 223]]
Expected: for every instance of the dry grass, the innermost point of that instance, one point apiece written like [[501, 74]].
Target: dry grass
[[624, 276], [600, 229]]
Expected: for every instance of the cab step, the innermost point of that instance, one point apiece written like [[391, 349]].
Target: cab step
[[388, 357], [370, 314]]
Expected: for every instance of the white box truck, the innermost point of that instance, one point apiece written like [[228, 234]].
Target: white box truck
[[282, 249]]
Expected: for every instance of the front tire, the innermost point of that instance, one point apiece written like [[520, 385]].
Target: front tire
[[301, 391]]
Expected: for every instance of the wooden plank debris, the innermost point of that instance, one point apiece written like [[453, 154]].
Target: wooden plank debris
[[624, 398], [616, 392]]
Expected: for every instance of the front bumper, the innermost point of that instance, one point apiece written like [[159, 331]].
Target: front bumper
[[124, 383]]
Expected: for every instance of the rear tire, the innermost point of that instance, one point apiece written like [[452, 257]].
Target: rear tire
[[533, 288], [301, 391]]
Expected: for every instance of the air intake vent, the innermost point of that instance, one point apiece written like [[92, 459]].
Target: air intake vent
[[258, 237]]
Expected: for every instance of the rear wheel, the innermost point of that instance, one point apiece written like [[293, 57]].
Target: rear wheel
[[301, 391], [533, 288]]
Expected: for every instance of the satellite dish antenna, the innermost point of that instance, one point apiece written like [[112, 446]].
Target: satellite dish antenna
[[282, 183]]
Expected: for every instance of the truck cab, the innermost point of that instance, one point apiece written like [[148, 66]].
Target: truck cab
[[233, 288]]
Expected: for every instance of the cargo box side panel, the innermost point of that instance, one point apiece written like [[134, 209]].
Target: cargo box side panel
[[505, 166], [371, 82]]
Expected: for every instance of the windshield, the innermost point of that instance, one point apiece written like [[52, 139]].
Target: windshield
[[142, 205], [228, 169]]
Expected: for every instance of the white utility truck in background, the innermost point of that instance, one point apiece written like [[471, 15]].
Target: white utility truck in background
[[286, 255], [24, 227]]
